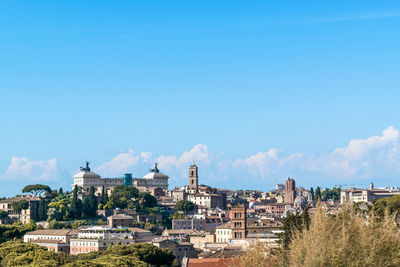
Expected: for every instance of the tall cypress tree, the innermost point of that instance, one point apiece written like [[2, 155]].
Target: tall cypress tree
[[312, 193], [86, 208], [92, 202], [318, 194], [75, 209], [42, 210], [104, 196]]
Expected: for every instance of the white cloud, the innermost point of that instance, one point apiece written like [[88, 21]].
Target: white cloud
[[368, 158], [199, 153], [120, 164], [146, 156], [376, 157], [23, 169]]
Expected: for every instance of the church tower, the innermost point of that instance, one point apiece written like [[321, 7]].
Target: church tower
[[194, 177]]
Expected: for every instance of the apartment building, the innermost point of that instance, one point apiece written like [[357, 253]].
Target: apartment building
[[98, 238]]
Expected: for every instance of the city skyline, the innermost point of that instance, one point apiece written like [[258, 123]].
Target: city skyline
[[357, 164], [253, 92]]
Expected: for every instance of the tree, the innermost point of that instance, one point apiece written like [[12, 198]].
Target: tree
[[3, 214], [61, 191], [104, 196], [149, 201], [123, 196], [184, 205], [388, 204], [42, 210], [17, 253], [333, 193], [291, 224], [20, 205], [318, 194], [312, 193], [75, 209], [347, 239], [36, 189], [92, 203]]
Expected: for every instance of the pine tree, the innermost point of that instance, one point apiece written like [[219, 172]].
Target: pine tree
[[61, 191]]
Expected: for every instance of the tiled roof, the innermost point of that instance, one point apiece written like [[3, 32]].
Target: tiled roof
[[14, 199], [227, 225], [50, 241], [139, 230], [121, 216], [213, 262], [180, 231], [55, 232]]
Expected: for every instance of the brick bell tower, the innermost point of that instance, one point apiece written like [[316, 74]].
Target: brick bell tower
[[238, 218], [194, 177]]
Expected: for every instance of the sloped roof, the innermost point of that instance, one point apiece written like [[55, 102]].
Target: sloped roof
[[54, 232]]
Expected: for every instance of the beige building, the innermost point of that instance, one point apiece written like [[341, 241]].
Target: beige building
[[24, 215], [85, 179], [121, 220], [207, 200], [99, 238], [180, 249], [201, 241], [57, 240], [364, 195], [223, 233], [142, 235]]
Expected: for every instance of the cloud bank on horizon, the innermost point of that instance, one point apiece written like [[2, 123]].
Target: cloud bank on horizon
[[376, 158]]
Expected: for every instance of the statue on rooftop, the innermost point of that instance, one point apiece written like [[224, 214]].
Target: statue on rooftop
[[155, 169], [87, 168]]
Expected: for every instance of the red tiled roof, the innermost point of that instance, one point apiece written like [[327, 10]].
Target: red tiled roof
[[215, 262]]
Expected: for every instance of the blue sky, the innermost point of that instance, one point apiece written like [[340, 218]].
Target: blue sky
[[253, 91]]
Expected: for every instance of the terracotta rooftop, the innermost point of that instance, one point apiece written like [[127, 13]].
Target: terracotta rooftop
[[139, 230], [176, 232], [193, 262], [49, 241], [227, 225], [54, 232], [14, 199], [121, 216]]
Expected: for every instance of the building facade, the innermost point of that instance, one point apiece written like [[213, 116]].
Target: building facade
[[180, 249], [194, 178], [364, 195], [223, 233], [57, 240], [239, 221], [208, 224], [290, 191], [24, 215], [85, 179], [207, 200], [97, 238], [120, 220]]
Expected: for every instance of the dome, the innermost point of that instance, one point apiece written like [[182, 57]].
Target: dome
[[155, 175], [300, 199], [86, 174]]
